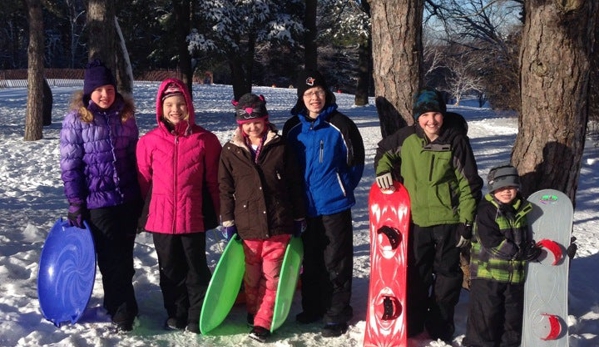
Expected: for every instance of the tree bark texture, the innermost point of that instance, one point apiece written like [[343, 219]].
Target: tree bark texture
[[124, 71], [397, 52], [594, 82], [555, 58], [364, 81], [310, 47], [364, 68], [101, 32], [47, 102], [35, 72], [183, 26]]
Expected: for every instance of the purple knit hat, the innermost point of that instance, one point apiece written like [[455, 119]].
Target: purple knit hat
[[96, 75]]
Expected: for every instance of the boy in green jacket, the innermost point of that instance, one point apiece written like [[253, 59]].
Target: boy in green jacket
[[434, 160]]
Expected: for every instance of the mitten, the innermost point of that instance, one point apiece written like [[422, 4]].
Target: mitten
[[384, 181], [572, 248], [464, 230], [531, 251], [229, 232], [76, 215], [299, 226]]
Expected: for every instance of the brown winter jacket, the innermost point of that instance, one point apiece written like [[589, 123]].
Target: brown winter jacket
[[262, 199]]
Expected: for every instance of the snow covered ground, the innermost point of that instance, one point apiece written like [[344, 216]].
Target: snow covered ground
[[31, 199]]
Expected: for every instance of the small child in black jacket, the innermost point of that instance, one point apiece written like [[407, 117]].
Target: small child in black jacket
[[500, 250]]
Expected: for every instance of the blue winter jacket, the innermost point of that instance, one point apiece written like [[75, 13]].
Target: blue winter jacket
[[330, 151], [97, 159]]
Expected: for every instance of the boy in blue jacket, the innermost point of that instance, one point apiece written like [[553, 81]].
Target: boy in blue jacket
[[330, 151]]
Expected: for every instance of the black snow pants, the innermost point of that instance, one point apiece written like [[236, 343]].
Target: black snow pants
[[114, 230], [328, 267], [434, 280], [184, 274], [494, 314]]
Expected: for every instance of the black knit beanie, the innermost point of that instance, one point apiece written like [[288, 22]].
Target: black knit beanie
[[428, 100], [309, 79]]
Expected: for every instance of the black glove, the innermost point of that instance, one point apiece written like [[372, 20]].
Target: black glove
[[571, 250], [464, 230], [229, 232], [76, 214], [299, 226], [531, 251]]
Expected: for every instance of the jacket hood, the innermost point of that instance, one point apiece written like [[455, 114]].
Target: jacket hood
[[454, 124], [186, 95], [238, 139], [322, 118]]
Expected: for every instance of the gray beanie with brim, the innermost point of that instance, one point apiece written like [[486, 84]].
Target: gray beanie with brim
[[503, 176]]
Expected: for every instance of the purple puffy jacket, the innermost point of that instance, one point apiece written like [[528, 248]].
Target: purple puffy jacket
[[97, 159]]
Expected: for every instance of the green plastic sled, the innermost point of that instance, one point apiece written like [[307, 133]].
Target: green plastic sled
[[290, 269], [224, 286]]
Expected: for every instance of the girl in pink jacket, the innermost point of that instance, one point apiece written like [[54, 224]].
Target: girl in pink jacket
[[179, 161]]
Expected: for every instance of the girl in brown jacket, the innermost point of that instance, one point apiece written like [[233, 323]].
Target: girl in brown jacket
[[261, 194]]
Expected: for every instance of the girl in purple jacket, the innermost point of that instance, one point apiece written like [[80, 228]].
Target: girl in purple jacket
[[97, 160]]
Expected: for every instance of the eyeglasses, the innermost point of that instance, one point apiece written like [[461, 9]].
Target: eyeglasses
[[319, 92]]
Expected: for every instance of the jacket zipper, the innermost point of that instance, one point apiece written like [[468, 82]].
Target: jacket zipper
[[430, 174], [175, 157], [321, 152]]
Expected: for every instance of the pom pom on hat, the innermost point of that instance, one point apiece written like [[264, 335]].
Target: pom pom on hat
[[309, 79], [428, 100], [96, 74], [249, 108], [503, 176]]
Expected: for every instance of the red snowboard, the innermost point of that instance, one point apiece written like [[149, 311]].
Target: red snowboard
[[389, 224]]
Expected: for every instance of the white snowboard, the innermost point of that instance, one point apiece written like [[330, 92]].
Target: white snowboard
[[546, 286]]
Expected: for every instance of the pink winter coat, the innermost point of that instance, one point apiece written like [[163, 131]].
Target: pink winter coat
[[177, 164]]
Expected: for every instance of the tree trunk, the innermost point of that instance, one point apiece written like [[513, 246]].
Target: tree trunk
[[124, 71], [35, 72], [242, 67], [555, 64], [594, 84], [364, 69], [310, 48], [397, 52], [365, 65], [183, 23], [48, 100], [101, 32]]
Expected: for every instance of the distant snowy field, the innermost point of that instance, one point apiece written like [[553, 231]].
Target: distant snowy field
[[31, 199]]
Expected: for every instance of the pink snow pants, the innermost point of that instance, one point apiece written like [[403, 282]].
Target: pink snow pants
[[263, 260]]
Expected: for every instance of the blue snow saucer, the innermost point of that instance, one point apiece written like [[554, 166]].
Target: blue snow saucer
[[67, 271]]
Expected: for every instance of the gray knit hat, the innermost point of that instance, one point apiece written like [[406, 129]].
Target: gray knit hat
[[503, 176]]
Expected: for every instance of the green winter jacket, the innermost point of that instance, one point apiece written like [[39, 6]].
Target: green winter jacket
[[441, 176], [500, 232]]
